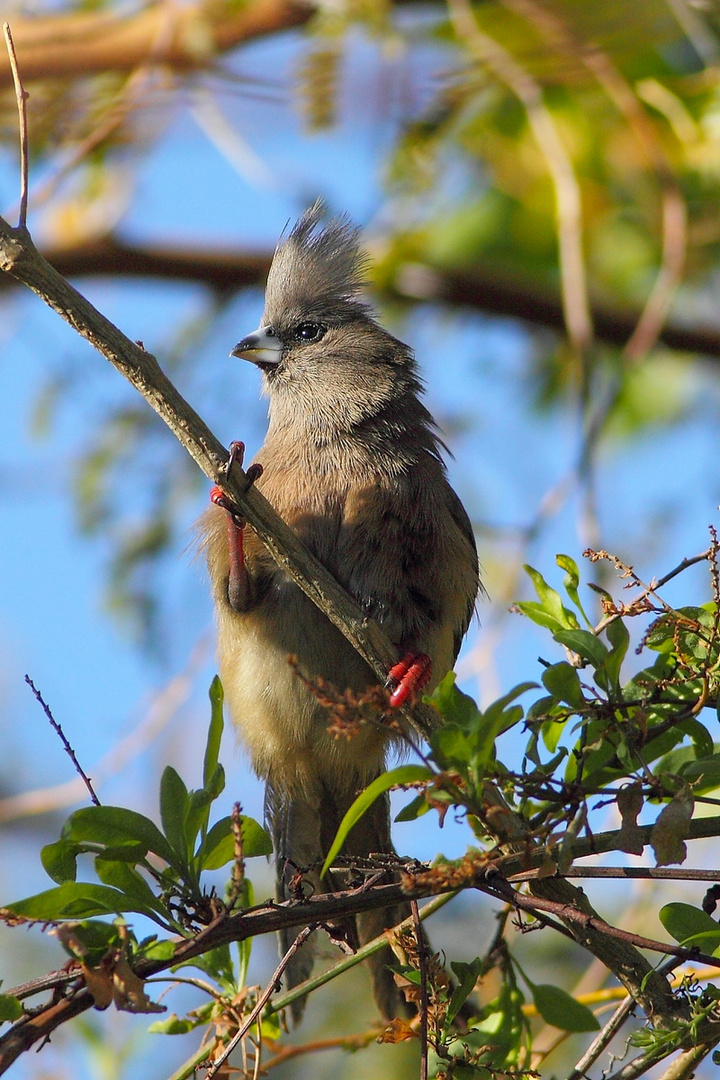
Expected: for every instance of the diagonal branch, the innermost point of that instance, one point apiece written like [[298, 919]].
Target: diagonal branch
[[20, 258]]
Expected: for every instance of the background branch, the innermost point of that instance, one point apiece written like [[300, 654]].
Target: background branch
[[486, 288]]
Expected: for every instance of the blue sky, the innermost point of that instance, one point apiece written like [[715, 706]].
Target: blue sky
[[656, 493]]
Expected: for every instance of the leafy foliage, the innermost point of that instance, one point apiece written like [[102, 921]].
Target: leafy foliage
[[593, 732]]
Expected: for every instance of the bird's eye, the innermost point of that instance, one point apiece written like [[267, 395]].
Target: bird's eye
[[309, 331]]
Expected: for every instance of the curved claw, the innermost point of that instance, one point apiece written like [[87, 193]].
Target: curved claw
[[407, 678], [236, 454]]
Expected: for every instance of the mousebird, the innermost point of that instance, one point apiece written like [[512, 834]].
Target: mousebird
[[352, 462]]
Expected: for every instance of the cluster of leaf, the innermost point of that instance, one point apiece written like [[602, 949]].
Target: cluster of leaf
[[595, 733], [150, 871]]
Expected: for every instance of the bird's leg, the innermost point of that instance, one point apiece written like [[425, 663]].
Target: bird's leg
[[238, 589], [406, 679]]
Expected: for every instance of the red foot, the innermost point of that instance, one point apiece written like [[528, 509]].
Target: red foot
[[253, 473], [238, 583], [407, 678]]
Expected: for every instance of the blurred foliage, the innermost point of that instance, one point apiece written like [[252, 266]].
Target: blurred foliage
[[567, 151]]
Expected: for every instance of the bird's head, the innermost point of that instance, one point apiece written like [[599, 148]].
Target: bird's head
[[325, 359]]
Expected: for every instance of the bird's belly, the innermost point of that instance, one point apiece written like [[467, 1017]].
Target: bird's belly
[[280, 720]]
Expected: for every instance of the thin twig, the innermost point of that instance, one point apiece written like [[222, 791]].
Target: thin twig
[[374, 946], [262, 1001], [59, 731], [656, 873], [161, 710], [568, 206], [603, 1038], [610, 1030], [424, 1002], [21, 96], [587, 921], [238, 872]]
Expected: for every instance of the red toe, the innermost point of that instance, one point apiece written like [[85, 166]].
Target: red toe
[[407, 678]]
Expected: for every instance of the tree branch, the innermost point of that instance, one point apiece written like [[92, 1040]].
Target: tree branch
[[21, 259], [182, 36], [484, 288]]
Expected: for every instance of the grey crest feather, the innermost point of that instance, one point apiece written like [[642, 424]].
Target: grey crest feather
[[319, 269]]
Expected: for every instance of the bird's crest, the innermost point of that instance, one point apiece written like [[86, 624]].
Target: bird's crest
[[317, 268]]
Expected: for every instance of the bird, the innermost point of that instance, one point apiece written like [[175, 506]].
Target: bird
[[352, 460]]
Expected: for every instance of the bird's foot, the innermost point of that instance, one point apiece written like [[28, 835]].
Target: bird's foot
[[236, 455], [407, 678], [238, 589]]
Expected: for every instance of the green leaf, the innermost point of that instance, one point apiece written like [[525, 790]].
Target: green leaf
[[452, 747], [88, 940], [174, 807], [217, 963], [561, 1010], [452, 704], [619, 638], [498, 716], [10, 1008], [584, 644], [703, 774], [60, 860], [403, 774], [414, 809], [174, 1025], [218, 847], [537, 613], [152, 949], [215, 730], [700, 736], [683, 922], [707, 942], [550, 601], [121, 876], [551, 731], [467, 975], [563, 682], [74, 900], [114, 825], [198, 813], [571, 582]]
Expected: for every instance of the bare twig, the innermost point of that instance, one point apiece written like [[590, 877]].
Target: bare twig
[[21, 97], [424, 1003], [159, 713], [238, 873], [652, 873], [262, 1001], [610, 1030], [572, 914], [603, 1039], [568, 206], [63, 739]]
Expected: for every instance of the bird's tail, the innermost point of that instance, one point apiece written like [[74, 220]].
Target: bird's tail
[[303, 829]]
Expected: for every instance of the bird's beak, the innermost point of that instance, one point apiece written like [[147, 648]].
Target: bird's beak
[[262, 348]]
